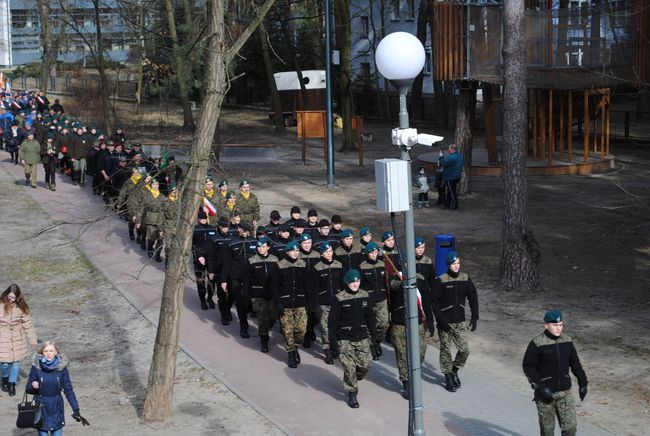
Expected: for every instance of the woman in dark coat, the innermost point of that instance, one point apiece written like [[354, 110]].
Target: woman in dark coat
[[47, 378]]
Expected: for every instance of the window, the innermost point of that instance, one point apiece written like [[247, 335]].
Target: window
[[427, 61], [365, 27], [394, 10], [411, 10]]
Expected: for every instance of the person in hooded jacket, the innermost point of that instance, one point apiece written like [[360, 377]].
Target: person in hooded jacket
[[47, 378]]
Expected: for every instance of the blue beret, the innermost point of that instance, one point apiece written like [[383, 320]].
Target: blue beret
[[387, 234], [293, 245], [364, 231], [263, 240], [324, 247], [419, 241], [553, 316], [346, 233], [372, 246], [305, 237], [351, 276], [452, 256]]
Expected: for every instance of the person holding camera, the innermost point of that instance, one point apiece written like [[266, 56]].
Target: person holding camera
[[452, 168], [47, 378], [546, 365]]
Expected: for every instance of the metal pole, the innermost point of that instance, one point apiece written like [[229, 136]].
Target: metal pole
[[416, 422], [328, 81]]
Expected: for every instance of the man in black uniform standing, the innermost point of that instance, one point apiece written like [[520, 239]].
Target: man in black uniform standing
[[347, 253], [225, 300], [204, 260], [547, 361]]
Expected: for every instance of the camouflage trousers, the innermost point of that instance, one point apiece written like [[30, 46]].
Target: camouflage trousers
[[457, 336], [355, 357], [324, 331], [153, 233], [294, 326], [564, 407], [398, 338], [381, 316], [266, 315]]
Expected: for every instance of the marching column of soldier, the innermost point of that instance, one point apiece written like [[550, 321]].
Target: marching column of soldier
[[302, 274]]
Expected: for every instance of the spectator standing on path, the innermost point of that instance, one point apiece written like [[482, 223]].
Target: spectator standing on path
[[48, 159], [30, 156], [47, 378], [546, 365], [15, 324], [351, 323], [422, 182], [450, 292], [452, 167]]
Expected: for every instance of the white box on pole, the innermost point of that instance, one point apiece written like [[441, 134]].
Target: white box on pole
[[391, 180]]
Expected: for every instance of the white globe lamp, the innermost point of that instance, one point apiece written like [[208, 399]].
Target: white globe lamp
[[400, 57]]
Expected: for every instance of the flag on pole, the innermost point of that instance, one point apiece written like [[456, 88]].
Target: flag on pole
[[40, 100], [210, 209], [15, 104], [8, 87], [419, 297]]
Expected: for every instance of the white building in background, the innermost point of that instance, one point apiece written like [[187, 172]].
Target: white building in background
[[5, 34]]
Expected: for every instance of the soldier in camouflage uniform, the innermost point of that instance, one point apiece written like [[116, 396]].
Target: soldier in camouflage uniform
[[169, 226], [153, 218], [290, 293], [547, 361], [327, 278], [134, 204], [351, 323], [128, 188], [450, 292], [346, 252], [257, 277], [221, 197], [248, 204], [311, 258], [373, 281]]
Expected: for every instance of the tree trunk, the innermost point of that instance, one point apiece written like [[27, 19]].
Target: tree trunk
[[464, 136], [344, 44], [109, 120], [50, 46], [520, 253], [141, 57], [276, 104], [180, 68], [417, 103]]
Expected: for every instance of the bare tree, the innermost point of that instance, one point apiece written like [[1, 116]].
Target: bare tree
[[464, 137], [520, 253], [158, 399], [49, 43], [344, 78], [268, 68]]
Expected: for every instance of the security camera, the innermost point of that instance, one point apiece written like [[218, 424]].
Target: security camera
[[428, 140]]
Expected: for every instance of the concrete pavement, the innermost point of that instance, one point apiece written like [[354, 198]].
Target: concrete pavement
[[308, 400]]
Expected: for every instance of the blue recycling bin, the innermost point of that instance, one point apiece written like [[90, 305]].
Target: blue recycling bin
[[444, 244]]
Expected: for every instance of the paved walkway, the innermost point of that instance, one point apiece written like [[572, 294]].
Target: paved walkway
[[305, 401]]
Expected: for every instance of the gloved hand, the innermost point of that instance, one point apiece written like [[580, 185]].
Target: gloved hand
[[77, 417], [545, 394], [444, 326], [472, 324], [583, 392], [280, 308]]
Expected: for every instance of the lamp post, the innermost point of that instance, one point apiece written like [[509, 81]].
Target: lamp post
[[400, 58], [328, 81]]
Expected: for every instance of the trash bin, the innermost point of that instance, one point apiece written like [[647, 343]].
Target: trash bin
[[444, 244]]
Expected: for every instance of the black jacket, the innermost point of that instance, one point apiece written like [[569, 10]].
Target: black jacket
[[258, 274], [235, 256], [327, 279], [450, 291], [350, 258], [289, 284], [426, 276], [202, 247], [351, 316], [547, 362], [373, 279]]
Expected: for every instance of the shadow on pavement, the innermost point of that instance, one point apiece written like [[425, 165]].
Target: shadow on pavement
[[478, 427]]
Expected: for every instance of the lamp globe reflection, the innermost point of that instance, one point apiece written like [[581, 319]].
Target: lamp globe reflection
[[400, 57]]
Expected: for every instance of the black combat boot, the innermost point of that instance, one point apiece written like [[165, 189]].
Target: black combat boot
[[150, 248], [5, 384], [296, 355], [306, 342], [157, 258], [292, 360], [211, 299], [265, 343], [454, 374], [352, 400], [449, 382], [373, 350], [253, 314], [204, 305], [328, 357], [243, 329], [12, 389], [224, 318], [405, 390], [143, 242]]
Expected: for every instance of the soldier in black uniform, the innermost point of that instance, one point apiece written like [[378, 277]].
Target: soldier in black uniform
[[547, 361], [327, 278], [235, 256], [225, 300], [389, 250], [258, 274], [311, 258], [351, 323], [299, 228], [274, 224], [282, 238], [347, 253], [373, 281], [204, 260], [295, 216], [336, 226], [324, 235], [426, 276], [312, 223], [365, 237]]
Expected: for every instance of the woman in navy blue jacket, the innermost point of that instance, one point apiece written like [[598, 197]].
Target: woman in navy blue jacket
[[47, 378]]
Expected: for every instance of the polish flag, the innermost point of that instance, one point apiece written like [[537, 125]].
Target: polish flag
[[419, 297], [40, 100], [209, 207], [16, 105]]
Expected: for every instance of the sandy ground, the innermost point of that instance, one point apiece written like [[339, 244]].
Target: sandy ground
[[111, 343]]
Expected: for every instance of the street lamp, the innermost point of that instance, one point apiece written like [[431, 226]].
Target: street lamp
[[400, 58]]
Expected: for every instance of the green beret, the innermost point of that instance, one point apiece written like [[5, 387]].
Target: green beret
[[553, 316], [351, 276]]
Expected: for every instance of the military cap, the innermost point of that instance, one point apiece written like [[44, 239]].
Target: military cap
[[387, 235], [223, 182], [284, 227], [365, 231], [208, 178], [351, 276], [346, 233], [245, 226], [295, 209], [419, 241], [223, 222], [231, 194], [553, 316], [275, 215], [336, 219], [324, 247], [452, 257], [261, 230], [264, 240], [300, 223], [305, 237], [372, 246], [312, 212], [293, 245], [173, 187], [244, 182], [323, 223], [202, 215], [171, 157]]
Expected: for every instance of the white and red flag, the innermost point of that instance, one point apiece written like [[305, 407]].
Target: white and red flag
[[209, 207]]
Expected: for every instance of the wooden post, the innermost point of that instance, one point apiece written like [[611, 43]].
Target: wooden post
[[596, 126], [542, 127], [304, 135], [608, 120], [602, 128], [324, 119], [490, 131], [534, 119], [551, 133], [561, 135], [585, 133], [570, 127]]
